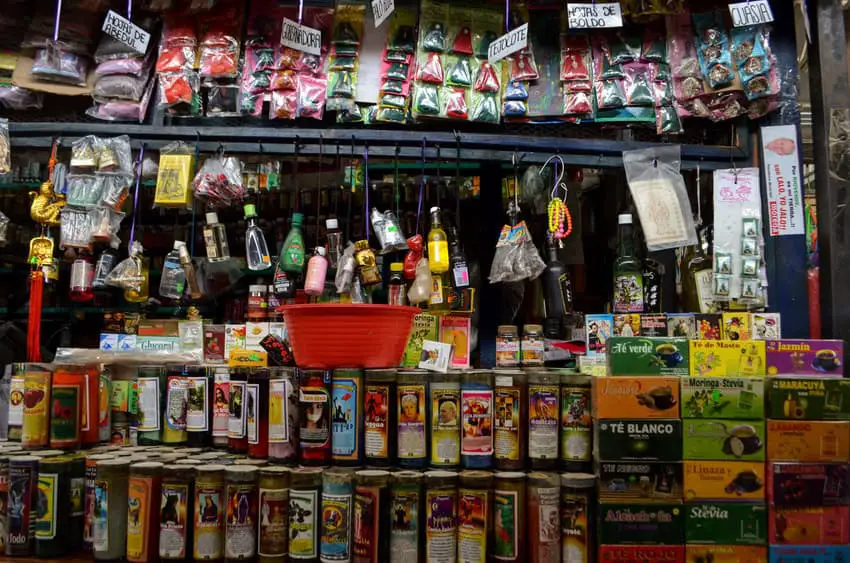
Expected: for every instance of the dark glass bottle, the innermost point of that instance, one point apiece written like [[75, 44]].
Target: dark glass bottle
[[557, 292], [457, 259]]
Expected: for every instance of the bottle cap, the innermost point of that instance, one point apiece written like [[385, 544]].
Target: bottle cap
[[178, 244], [250, 210], [320, 250], [332, 223], [257, 288], [212, 217], [297, 219], [397, 267], [625, 219], [435, 209]]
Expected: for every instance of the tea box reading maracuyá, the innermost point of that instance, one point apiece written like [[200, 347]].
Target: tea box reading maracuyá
[[726, 553], [809, 398], [808, 484], [724, 480], [636, 397], [726, 523], [822, 525], [724, 358], [809, 553], [808, 441], [633, 553], [648, 356], [635, 523], [723, 439], [639, 440], [723, 397], [805, 357], [626, 480]]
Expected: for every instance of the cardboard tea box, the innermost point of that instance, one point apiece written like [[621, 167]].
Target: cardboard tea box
[[626, 480], [727, 358], [636, 397], [821, 525], [723, 397], [808, 484], [635, 523], [808, 441], [726, 523], [716, 439], [632, 553], [808, 398], [724, 480], [809, 553], [639, 440], [639, 355], [805, 357], [726, 553]]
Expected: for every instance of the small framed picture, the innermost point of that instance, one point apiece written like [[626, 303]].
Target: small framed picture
[[749, 288], [749, 267], [723, 263], [751, 227], [749, 247], [721, 286]]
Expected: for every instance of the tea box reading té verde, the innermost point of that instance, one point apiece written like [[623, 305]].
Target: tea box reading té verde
[[723, 397], [810, 398], [808, 484], [636, 397], [648, 356], [727, 523], [735, 440]]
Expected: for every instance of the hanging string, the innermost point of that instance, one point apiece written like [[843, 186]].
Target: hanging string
[[56, 23], [507, 16], [130, 10], [457, 183], [421, 188], [396, 194], [136, 195], [352, 184], [338, 195], [366, 187], [300, 10], [194, 210], [439, 181]]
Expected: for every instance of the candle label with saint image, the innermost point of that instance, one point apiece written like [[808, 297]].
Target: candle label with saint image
[[576, 432], [252, 422], [100, 522], [197, 404], [441, 530], [506, 423], [315, 417], [445, 424], [366, 523], [404, 535], [279, 390], [172, 521], [575, 541], [505, 524], [241, 524], [237, 425], [543, 421], [411, 421], [221, 403], [45, 522], [477, 422], [138, 509], [377, 410], [209, 519], [176, 402], [274, 522], [336, 527], [472, 525]]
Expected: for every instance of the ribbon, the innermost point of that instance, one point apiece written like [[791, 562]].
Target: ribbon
[[130, 10], [136, 195], [366, 186], [56, 23], [300, 10], [421, 188], [457, 183], [507, 16]]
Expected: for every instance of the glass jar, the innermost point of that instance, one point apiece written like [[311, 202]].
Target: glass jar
[[347, 417], [576, 422], [110, 514], [315, 414], [258, 306], [175, 533], [371, 538], [509, 524], [88, 497], [240, 534], [272, 543], [578, 517], [210, 503], [444, 391], [283, 415], [507, 346], [543, 423], [337, 501], [412, 415], [305, 485], [143, 511], [533, 347], [257, 426], [544, 517], [52, 519], [407, 523], [510, 419], [237, 422], [475, 498], [381, 415], [440, 515], [476, 392]]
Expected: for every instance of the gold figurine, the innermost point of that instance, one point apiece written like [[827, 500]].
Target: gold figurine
[[46, 205]]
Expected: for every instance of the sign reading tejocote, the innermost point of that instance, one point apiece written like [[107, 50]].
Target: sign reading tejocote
[[594, 16], [301, 37], [508, 44], [126, 32]]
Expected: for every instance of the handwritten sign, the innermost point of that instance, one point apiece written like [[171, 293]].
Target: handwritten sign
[[126, 32], [508, 44], [594, 16], [301, 37], [381, 10], [786, 213], [753, 12]]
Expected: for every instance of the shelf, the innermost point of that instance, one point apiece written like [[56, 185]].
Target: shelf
[[19, 186]]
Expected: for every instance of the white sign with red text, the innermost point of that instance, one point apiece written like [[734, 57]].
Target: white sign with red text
[[784, 190]]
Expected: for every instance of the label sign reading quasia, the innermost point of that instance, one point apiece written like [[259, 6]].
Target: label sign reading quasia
[[125, 32], [752, 12], [508, 44], [301, 37], [594, 16]]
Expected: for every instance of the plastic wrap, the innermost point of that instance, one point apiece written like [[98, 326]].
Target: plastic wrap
[[5, 148], [128, 274], [516, 258], [52, 64], [84, 190], [115, 189], [20, 99], [4, 229], [219, 182], [105, 223], [88, 356], [75, 230], [120, 87]]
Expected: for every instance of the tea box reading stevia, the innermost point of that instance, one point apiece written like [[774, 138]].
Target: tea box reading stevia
[[624, 480], [808, 441], [809, 398], [726, 553], [723, 397], [724, 480], [808, 484], [636, 397], [725, 358], [639, 440], [642, 553], [635, 523], [822, 525], [648, 356], [715, 439], [805, 357], [809, 554], [727, 523]]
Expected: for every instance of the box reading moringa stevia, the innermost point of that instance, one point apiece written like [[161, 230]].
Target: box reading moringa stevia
[[723, 397], [808, 398], [727, 523], [717, 439], [635, 523], [638, 355]]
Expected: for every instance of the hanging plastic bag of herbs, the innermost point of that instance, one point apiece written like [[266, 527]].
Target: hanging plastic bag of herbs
[[660, 196]]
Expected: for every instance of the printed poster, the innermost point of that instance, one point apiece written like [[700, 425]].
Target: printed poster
[[785, 210]]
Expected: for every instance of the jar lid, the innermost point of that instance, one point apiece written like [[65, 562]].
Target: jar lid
[[274, 470], [578, 480], [440, 474], [116, 462], [210, 468], [258, 288], [372, 473], [509, 475], [241, 469], [147, 465], [507, 329], [407, 475]]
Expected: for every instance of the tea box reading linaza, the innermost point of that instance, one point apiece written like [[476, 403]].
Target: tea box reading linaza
[[633, 553], [723, 397], [726, 553], [648, 356], [808, 484], [728, 523], [639, 440], [636, 523], [636, 397], [822, 525], [810, 398], [809, 553], [724, 480], [626, 480], [724, 358], [808, 441], [805, 357], [735, 440]]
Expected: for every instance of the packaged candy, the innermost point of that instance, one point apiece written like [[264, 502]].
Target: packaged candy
[[639, 89], [515, 108], [574, 66], [430, 70], [485, 107], [283, 80], [219, 182], [311, 96], [426, 99], [462, 42], [516, 90], [486, 79], [283, 105], [459, 71], [454, 104], [434, 39], [523, 67]]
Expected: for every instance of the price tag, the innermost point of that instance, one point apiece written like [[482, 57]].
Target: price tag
[[126, 32], [381, 10], [594, 16], [508, 44], [753, 12], [301, 37]]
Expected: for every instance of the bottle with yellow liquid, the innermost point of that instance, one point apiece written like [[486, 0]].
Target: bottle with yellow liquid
[[438, 245]]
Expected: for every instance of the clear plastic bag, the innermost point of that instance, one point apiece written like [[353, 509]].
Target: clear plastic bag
[[131, 66], [345, 270], [5, 147], [52, 64], [219, 182], [20, 99], [120, 87], [660, 196], [116, 156], [129, 274], [115, 189], [420, 289], [516, 258], [4, 228], [75, 229], [84, 191], [105, 223]]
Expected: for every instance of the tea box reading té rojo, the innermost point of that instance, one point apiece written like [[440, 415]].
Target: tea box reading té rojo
[[722, 397], [808, 441], [639, 440], [808, 398], [625, 480], [724, 480], [735, 440], [634, 355], [808, 484], [632, 553], [728, 523], [636, 397]]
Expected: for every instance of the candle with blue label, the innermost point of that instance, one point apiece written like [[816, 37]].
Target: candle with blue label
[[347, 417]]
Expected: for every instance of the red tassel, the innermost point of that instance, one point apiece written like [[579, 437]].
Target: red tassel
[[34, 322]]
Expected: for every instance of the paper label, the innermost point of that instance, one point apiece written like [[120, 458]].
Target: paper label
[[752, 12], [315, 417], [221, 403], [279, 390], [505, 525], [149, 415], [381, 10], [138, 508], [594, 16], [172, 521], [472, 526], [45, 521], [274, 522], [404, 533], [411, 421], [445, 424], [303, 535], [16, 401], [508, 44], [441, 526], [241, 528], [477, 411], [236, 424], [253, 419], [176, 403], [367, 523], [100, 524], [377, 410], [65, 414], [336, 528], [345, 443], [506, 423], [209, 520], [198, 406], [782, 173], [126, 32], [301, 37], [543, 421]]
